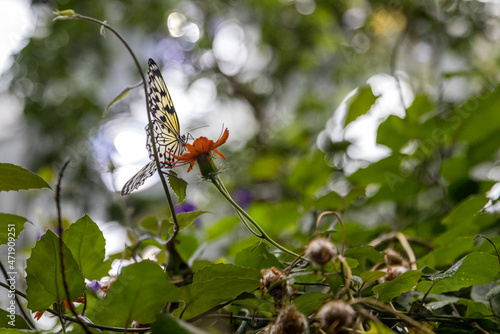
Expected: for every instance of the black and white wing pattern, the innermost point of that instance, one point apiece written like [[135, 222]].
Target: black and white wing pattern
[[138, 179], [166, 129]]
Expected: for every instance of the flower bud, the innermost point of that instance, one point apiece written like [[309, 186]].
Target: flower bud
[[67, 14], [336, 317], [207, 166], [320, 251], [289, 321]]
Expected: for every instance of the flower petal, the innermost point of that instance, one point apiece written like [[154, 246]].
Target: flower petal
[[191, 165], [201, 144], [220, 154], [222, 139]]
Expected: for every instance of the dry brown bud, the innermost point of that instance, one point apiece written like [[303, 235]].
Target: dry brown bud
[[289, 321], [336, 317], [393, 258], [279, 292], [320, 251], [392, 273]]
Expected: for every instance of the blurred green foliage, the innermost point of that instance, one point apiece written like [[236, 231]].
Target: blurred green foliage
[[434, 184]]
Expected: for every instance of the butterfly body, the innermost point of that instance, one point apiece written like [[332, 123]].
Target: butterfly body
[[166, 130]]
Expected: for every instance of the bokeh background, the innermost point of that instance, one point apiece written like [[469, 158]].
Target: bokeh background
[[281, 75]]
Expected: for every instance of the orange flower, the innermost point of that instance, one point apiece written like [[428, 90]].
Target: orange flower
[[201, 151], [38, 315], [78, 300]]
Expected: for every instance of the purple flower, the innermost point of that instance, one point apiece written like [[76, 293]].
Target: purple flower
[[57, 230], [243, 197], [185, 207], [94, 286]]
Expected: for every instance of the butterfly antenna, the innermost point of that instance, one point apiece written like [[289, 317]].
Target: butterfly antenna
[[221, 131], [197, 128]]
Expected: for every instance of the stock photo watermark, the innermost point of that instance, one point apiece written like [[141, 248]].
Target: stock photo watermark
[[11, 274]]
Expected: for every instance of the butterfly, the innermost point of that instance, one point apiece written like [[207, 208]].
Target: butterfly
[[166, 130]]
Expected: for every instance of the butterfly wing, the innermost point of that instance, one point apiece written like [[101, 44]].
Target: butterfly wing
[[138, 179], [166, 145], [166, 127]]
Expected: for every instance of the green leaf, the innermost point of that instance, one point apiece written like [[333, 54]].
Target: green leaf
[[87, 244], [473, 269], [465, 212], [222, 227], [483, 150], [44, 278], [419, 107], [309, 173], [434, 302], [363, 254], [396, 183], [378, 328], [455, 168], [478, 292], [185, 219], [478, 310], [186, 246], [331, 201], [150, 223], [11, 225], [178, 185], [371, 276], [257, 257], [12, 320], [447, 252], [401, 284], [139, 293], [353, 195], [16, 331], [393, 133], [336, 283], [493, 297], [277, 219], [470, 117], [122, 95], [254, 304], [360, 104], [265, 167], [352, 263], [219, 270], [171, 325], [309, 302], [224, 282], [13, 177], [221, 290]]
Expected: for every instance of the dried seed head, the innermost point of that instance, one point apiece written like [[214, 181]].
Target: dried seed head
[[393, 258], [320, 251], [392, 273], [289, 321], [336, 317], [279, 292]]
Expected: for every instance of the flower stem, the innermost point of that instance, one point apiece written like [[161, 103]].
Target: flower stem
[[347, 281], [61, 258], [243, 214]]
